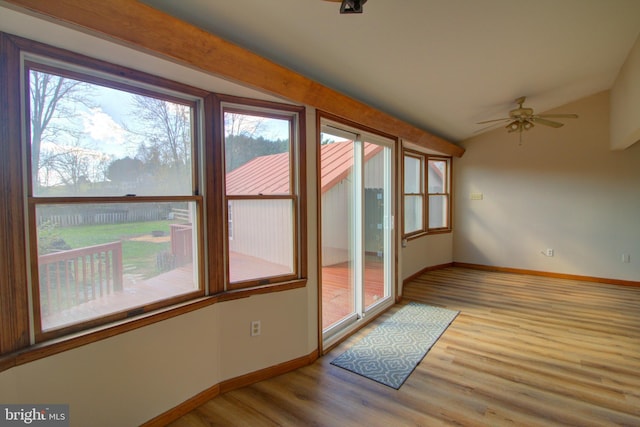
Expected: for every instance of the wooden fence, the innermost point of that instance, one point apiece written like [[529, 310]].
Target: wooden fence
[[102, 215], [69, 278]]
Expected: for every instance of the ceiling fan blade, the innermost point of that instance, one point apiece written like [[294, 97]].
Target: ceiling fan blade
[[559, 116], [494, 120], [546, 122]]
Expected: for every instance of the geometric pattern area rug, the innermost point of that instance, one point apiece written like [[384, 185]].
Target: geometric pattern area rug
[[391, 352]]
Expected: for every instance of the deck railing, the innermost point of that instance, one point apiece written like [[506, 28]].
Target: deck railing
[[181, 243], [72, 277]]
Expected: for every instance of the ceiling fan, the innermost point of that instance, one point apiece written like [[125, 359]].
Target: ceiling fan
[[350, 6], [522, 118]]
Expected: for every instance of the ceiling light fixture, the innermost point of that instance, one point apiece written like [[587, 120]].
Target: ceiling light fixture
[[352, 6], [522, 119]]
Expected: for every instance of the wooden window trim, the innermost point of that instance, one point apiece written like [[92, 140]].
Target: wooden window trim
[[422, 158], [447, 194], [28, 354], [14, 297], [297, 183], [425, 158], [104, 76], [15, 343]]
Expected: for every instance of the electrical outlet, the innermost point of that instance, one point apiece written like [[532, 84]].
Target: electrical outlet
[[255, 328], [548, 252], [626, 258]]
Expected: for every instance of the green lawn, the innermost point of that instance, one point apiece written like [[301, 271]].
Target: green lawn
[[139, 257]]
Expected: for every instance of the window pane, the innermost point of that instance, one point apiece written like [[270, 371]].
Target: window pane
[[412, 175], [413, 214], [257, 154], [437, 176], [97, 141], [99, 259], [438, 208], [262, 244]]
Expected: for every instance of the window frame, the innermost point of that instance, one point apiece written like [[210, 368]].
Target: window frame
[[446, 193], [106, 76], [422, 193], [297, 185], [425, 158], [19, 342]]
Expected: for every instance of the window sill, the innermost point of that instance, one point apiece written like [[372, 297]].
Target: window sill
[[426, 233], [79, 339]]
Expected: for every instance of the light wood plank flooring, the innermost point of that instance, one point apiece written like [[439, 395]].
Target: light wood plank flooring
[[524, 351]]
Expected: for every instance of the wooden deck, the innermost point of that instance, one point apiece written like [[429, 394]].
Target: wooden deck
[[136, 292], [337, 290], [524, 351]]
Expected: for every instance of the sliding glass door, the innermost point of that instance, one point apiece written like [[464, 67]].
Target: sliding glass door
[[356, 208]]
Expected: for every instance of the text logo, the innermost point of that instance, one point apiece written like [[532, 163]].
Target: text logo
[[34, 415]]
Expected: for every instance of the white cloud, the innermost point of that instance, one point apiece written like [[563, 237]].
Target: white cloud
[[101, 127]]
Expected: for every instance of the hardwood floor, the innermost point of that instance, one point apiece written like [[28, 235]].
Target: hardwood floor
[[524, 351]]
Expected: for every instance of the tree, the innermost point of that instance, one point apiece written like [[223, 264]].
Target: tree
[[73, 165], [245, 139], [125, 170], [165, 129], [52, 99], [240, 149], [236, 124]]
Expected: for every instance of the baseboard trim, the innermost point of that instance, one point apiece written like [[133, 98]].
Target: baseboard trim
[[228, 385], [270, 372], [546, 274], [424, 270]]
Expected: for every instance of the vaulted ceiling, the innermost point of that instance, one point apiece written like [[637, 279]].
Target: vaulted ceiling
[[441, 65]]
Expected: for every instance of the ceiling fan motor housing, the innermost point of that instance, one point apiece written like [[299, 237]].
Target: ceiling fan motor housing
[[521, 113]]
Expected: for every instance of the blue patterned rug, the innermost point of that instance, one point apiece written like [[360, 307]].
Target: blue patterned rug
[[391, 352]]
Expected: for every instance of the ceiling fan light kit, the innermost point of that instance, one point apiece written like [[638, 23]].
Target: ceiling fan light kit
[[522, 118]]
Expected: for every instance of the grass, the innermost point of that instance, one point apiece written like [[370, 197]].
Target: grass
[[139, 257]]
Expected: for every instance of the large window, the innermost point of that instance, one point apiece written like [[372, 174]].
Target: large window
[[116, 204], [262, 193], [414, 216], [113, 188], [438, 190], [427, 193]]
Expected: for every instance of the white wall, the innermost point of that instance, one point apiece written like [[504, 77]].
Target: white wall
[[259, 227], [562, 189]]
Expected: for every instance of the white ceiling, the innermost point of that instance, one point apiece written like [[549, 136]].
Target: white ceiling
[[441, 65]]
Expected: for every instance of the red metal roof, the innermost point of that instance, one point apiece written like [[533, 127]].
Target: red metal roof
[[337, 160], [270, 174], [262, 175]]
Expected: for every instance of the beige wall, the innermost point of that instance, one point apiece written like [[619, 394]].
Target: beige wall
[[625, 102], [426, 251], [133, 377], [127, 379], [562, 189]]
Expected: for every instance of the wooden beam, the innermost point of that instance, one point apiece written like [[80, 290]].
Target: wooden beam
[[142, 27]]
